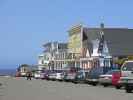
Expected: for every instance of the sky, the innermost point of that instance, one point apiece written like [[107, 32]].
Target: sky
[[25, 25]]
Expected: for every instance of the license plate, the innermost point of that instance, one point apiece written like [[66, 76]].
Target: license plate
[[106, 78]]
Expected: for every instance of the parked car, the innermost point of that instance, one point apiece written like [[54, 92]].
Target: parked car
[[69, 76], [127, 76], [93, 76], [52, 75], [107, 79], [60, 75], [80, 76], [46, 74], [38, 74], [115, 79]]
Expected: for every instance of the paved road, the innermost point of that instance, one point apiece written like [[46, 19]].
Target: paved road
[[21, 89]]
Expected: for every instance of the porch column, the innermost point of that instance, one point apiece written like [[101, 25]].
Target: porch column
[[80, 63], [75, 64]]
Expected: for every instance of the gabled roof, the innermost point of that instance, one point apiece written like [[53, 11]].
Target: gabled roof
[[90, 34], [119, 40]]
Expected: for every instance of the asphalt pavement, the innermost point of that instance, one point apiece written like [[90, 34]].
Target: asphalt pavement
[[22, 89]]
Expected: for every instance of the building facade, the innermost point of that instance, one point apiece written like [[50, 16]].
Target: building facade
[[53, 56], [99, 46], [87, 48]]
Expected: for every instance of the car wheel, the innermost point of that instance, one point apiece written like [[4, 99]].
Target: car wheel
[[117, 87], [74, 82], [94, 84], [47, 79], [60, 80], [105, 85], [128, 89]]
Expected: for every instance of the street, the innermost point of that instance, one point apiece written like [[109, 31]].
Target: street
[[22, 89]]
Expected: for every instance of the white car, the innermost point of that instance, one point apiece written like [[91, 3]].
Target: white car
[[59, 76], [38, 75], [127, 76], [52, 76]]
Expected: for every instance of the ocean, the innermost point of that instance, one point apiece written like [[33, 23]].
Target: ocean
[[10, 72]]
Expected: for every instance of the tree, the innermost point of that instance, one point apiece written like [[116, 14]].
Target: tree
[[122, 60]]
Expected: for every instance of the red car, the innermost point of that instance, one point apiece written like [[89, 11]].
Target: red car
[[115, 79]]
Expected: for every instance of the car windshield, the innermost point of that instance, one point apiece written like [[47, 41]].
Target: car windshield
[[80, 73], [128, 66]]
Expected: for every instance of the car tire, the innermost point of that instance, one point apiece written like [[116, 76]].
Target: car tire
[[94, 84], [105, 85], [47, 79], [117, 87], [75, 82], [60, 80], [128, 89]]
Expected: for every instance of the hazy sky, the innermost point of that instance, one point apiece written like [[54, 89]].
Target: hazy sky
[[26, 24]]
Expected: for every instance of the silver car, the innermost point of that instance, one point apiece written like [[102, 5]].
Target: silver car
[[106, 79]]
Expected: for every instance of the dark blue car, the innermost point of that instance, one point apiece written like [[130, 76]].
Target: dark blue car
[[80, 76]]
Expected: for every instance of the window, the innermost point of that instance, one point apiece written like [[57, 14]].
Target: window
[[112, 71], [42, 62], [128, 66]]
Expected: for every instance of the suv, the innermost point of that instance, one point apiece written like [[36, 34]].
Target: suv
[[127, 75]]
